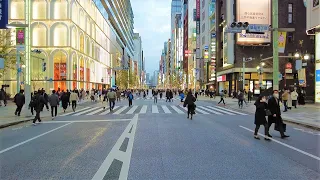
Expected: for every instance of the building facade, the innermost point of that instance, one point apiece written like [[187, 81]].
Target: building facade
[[138, 55], [232, 48], [77, 42]]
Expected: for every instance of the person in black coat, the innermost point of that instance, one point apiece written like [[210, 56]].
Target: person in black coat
[[39, 102], [275, 117], [20, 100], [65, 100], [260, 116], [189, 103]]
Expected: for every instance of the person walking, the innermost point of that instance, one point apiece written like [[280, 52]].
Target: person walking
[[130, 98], [170, 95], [46, 99], [32, 103], [19, 99], [38, 105], [2, 97], [118, 95], [260, 116], [155, 96], [222, 97], [294, 98], [73, 99], [289, 102], [181, 96], [54, 102], [64, 100], [275, 117], [189, 103], [111, 95], [249, 96], [285, 97], [240, 99]]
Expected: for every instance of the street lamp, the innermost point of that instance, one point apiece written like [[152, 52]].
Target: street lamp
[[260, 72]]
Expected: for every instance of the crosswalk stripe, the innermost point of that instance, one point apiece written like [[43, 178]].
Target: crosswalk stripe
[[165, 109], [120, 110], [201, 111], [94, 112], [231, 110], [73, 112], [210, 110], [185, 108], [143, 109], [177, 109], [133, 108], [108, 110], [83, 112], [220, 110], [155, 109]]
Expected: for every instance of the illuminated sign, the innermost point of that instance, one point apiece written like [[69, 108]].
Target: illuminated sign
[[317, 88], [254, 12], [20, 34], [198, 9], [221, 78]]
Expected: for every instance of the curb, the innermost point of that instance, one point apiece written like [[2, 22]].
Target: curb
[[14, 123]]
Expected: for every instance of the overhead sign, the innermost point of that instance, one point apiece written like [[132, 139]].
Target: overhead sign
[[4, 11], [258, 28]]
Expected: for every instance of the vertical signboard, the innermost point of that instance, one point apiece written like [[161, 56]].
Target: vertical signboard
[[198, 9], [317, 92], [4, 8], [282, 41], [20, 39]]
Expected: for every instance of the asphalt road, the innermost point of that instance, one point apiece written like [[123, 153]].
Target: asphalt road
[[156, 141]]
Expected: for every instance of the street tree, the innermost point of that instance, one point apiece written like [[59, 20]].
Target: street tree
[[6, 49]]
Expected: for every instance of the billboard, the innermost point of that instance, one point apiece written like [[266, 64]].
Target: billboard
[[254, 12], [3, 14]]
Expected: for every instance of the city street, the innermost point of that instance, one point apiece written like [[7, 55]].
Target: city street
[[156, 141]]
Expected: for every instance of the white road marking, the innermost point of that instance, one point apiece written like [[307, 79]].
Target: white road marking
[[88, 110], [306, 131], [210, 110], [231, 110], [143, 109], [177, 109], [201, 111], [131, 111], [74, 112], [185, 108], [108, 110], [36, 137], [220, 110], [286, 145], [155, 109], [86, 121], [115, 153], [165, 109], [94, 112], [120, 110]]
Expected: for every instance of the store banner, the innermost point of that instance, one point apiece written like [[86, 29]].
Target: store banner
[[317, 88], [4, 11], [302, 77], [282, 41]]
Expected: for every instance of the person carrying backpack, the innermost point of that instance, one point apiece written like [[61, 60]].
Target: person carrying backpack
[[130, 98]]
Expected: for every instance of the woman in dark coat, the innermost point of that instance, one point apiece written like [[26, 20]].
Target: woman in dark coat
[[65, 101], [189, 103], [260, 117]]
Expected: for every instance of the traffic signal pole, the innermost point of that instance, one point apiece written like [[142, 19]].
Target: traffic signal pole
[[275, 44]]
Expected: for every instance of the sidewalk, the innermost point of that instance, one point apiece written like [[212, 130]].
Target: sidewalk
[[308, 115], [7, 117]]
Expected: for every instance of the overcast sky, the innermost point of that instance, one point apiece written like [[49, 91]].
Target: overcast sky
[[152, 21]]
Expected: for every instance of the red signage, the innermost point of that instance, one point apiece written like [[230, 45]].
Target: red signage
[[198, 9], [221, 78], [288, 66]]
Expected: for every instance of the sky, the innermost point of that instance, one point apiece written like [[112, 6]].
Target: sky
[[152, 19]]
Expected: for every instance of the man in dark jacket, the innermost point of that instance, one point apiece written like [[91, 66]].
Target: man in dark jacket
[[38, 104], [275, 117], [19, 99], [2, 97], [54, 102]]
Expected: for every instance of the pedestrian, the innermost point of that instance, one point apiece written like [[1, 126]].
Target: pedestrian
[[289, 103], [294, 98], [240, 99], [222, 97], [54, 102], [260, 116], [181, 96], [73, 99], [46, 99], [38, 105], [196, 95], [275, 117], [32, 103], [161, 94], [189, 103], [2, 97], [155, 96], [64, 100], [170, 96], [130, 98], [118, 95], [111, 95], [285, 96], [19, 99], [249, 96]]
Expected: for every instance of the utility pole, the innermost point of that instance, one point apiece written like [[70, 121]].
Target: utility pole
[[275, 44]]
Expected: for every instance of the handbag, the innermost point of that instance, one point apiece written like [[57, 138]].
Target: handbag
[[284, 126], [268, 112]]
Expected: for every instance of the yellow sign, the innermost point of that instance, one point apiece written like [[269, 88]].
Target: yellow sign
[[282, 41]]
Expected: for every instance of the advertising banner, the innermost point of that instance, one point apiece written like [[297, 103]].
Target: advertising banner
[[254, 12], [198, 9], [302, 77], [4, 11], [317, 88], [282, 41]]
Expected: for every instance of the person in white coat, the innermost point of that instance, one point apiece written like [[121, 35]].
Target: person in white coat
[[294, 98], [289, 102]]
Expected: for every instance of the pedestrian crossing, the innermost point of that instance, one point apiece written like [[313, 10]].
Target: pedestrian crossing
[[152, 109]]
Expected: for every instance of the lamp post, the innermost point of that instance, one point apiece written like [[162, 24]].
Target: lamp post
[[260, 72]]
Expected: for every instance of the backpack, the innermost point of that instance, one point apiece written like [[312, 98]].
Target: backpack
[[130, 96]]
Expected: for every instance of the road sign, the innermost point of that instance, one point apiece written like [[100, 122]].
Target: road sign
[[233, 30], [258, 28]]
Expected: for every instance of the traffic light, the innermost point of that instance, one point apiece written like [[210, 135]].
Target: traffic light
[[38, 51], [238, 27], [44, 66]]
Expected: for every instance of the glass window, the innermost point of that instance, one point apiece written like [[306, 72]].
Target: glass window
[[290, 18], [289, 8], [203, 15], [203, 3]]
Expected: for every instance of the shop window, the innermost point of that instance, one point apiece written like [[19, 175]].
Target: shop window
[[39, 9], [60, 35], [60, 9], [74, 71], [60, 70], [17, 9], [39, 35], [81, 43], [290, 13], [81, 73]]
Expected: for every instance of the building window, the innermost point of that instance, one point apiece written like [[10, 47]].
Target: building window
[[290, 37], [203, 15], [203, 39], [203, 27], [203, 3], [290, 13]]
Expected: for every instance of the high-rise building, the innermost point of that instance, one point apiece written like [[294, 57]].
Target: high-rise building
[[138, 54], [79, 41], [176, 8]]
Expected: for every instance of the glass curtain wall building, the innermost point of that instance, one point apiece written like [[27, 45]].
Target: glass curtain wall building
[[77, 43]]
